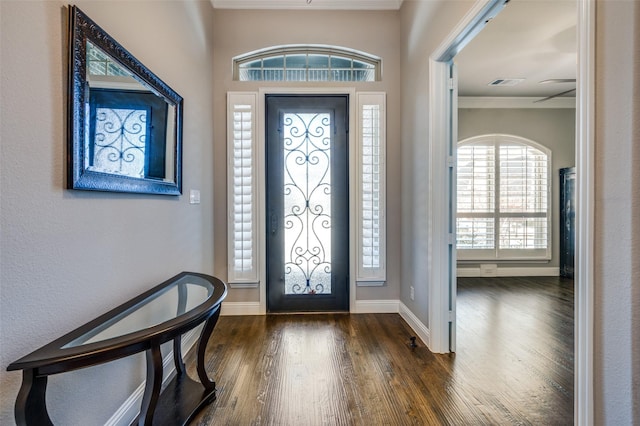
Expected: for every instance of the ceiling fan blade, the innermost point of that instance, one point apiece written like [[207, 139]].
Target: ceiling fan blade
[[558, 80], [566, 92]]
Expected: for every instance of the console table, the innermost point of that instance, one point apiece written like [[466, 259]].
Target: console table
[[159, 315]]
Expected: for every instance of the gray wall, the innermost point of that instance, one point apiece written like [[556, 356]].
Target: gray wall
[[552, 128], [67, 256], [616, 268], [59, 269], [617, 214], [378, 33], [424, 25]]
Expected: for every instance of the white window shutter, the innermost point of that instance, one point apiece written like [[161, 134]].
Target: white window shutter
[[503, 199], [241, 188], [371, 227]]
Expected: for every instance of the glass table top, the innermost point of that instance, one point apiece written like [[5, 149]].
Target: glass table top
[[156, 316], [174, 300]]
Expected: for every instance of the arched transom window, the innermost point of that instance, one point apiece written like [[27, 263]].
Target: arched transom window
[[503, 204], [307, 63]]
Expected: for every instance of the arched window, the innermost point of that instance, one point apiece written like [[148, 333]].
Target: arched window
[[306, 63], [503, 209]]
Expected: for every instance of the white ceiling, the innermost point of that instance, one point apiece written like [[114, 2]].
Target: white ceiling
[[532, 40]]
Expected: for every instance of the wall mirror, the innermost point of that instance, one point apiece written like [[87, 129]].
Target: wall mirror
[[125, 124]]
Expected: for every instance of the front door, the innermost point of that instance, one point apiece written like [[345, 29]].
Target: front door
[[307, 200]]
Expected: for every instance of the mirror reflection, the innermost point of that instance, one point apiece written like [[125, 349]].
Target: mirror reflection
[[125, 123], [130, 127]]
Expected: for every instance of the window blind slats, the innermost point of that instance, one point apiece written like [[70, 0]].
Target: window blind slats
[[371, 195], [242, 252], [503, 207]]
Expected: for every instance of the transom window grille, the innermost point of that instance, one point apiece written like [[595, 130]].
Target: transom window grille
[[99, 63], [503, 187], [307, 63]]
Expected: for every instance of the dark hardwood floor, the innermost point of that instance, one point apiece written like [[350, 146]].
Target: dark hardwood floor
[[513, 365]]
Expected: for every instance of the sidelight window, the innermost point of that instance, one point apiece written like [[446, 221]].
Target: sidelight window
[[242, 189], [242, 200], [371, 184]]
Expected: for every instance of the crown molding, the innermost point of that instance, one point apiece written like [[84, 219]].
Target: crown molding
[[314, 5]]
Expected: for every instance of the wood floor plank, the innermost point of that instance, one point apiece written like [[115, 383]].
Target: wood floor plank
[[513, 366]]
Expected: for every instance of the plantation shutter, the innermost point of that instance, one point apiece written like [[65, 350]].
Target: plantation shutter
[[503, 199], [371, 228], [241, 182]]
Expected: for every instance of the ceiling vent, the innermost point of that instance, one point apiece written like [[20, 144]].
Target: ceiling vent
[[506, 81]]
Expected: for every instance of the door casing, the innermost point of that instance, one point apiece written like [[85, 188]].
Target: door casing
[[260, 170], [440, 122]]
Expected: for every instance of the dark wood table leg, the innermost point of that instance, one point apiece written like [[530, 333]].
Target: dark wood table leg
[[152, 386], [208, 384], [31, 408], [177, 356], [177, 342]]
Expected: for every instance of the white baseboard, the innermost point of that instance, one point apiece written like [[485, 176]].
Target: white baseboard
[[531, 271], [376, 307], [129, 410], [240, 308], [361, 307], [416, 325]]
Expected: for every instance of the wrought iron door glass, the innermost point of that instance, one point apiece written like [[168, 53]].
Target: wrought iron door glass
[[307, 203], [119, 145]]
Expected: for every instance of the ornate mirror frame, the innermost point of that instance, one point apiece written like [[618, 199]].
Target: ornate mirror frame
[[157, 132]]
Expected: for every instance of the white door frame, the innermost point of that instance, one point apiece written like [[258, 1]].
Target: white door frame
[[442, 133], [260, 149], [440, 195]]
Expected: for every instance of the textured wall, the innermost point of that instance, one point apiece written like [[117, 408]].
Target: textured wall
[[616, 372], [617, 218], [378, 33], [552, 128], [67, 256], [424, 24]]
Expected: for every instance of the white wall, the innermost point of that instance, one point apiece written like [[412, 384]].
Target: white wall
[[553, 128], [374, 32], [67, 256]]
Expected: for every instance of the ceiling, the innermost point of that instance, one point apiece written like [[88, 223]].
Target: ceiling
[[532, 40]]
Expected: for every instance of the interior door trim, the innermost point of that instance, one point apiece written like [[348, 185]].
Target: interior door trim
[[260, 170], [470, 24]]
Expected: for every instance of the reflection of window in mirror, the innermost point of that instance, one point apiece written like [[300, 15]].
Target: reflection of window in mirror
[[128, 129]]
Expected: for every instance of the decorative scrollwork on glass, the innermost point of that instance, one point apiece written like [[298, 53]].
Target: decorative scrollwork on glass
[[120, 141], [307, 203]]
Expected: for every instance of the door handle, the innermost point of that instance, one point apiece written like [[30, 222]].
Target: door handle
[[274, 223]]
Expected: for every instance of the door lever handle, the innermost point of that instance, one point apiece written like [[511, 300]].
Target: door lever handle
[[274, 223]]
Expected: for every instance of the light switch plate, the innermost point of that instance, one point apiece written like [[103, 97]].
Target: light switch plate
[[194, 196]]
